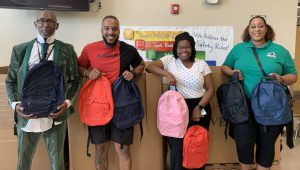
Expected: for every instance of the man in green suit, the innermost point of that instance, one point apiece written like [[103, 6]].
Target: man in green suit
[[29, 127]]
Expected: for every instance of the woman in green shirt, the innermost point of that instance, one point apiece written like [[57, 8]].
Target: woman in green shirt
[[276, 61]]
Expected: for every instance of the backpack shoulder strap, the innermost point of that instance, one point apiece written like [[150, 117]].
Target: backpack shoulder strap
[[258, 61], [137, 92]]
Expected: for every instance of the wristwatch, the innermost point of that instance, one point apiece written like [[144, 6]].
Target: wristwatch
[[200, 106]]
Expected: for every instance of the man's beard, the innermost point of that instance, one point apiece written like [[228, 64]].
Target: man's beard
[[111, 44]]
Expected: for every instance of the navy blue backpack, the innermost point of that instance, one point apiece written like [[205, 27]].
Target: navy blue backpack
[[269, 100], [270, 103], [43, 89], [128, 107]]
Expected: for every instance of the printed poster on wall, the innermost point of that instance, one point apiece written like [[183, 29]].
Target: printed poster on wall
[[213, 43]]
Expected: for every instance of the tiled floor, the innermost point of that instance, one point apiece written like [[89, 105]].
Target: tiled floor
[[290, 158]]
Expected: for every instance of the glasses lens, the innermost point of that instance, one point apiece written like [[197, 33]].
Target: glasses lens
[[184, 47], [48, 21]]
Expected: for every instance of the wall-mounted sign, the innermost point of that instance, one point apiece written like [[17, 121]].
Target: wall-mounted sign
[[213, 43]]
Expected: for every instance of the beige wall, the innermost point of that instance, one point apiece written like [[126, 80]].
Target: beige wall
[[80, 28], [297, 60]]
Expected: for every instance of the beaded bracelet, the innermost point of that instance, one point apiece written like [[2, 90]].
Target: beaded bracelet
[[133, 72]]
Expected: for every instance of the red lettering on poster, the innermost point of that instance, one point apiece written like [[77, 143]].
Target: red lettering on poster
[[159, 45]]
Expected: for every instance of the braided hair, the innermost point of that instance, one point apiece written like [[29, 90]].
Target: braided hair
[[188, 37]]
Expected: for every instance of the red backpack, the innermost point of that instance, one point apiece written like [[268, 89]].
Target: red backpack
[[95, 102], [195, 147]]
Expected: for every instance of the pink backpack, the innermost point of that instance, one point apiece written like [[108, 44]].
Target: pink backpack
[[195, 147], [172, 114]]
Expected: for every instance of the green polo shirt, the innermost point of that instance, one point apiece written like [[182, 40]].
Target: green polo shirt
[[274, 58]]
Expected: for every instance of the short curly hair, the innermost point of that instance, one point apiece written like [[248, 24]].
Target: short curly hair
[[188, 37]]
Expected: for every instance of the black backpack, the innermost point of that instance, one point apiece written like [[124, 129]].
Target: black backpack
[[128, 107], [43, 89], [232, 101]]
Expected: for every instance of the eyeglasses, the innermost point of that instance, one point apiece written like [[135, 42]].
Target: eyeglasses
[[258, 16], [48, 21], [184, 47]]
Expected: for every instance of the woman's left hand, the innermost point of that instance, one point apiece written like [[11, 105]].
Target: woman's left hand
[[277, 77], [196, 116]]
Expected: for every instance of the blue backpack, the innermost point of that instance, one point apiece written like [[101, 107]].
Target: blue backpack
[[269, 99], [128, 107], [270, 103], [43, 89]]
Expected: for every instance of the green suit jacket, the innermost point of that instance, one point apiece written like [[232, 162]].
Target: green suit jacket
[[64, 56]]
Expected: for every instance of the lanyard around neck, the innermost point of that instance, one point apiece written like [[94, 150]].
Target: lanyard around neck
[[47, 54]]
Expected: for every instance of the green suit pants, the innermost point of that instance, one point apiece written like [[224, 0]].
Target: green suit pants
[[54, 139]]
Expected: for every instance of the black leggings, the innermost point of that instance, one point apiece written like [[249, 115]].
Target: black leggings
[[176, 144], [249, 134]]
